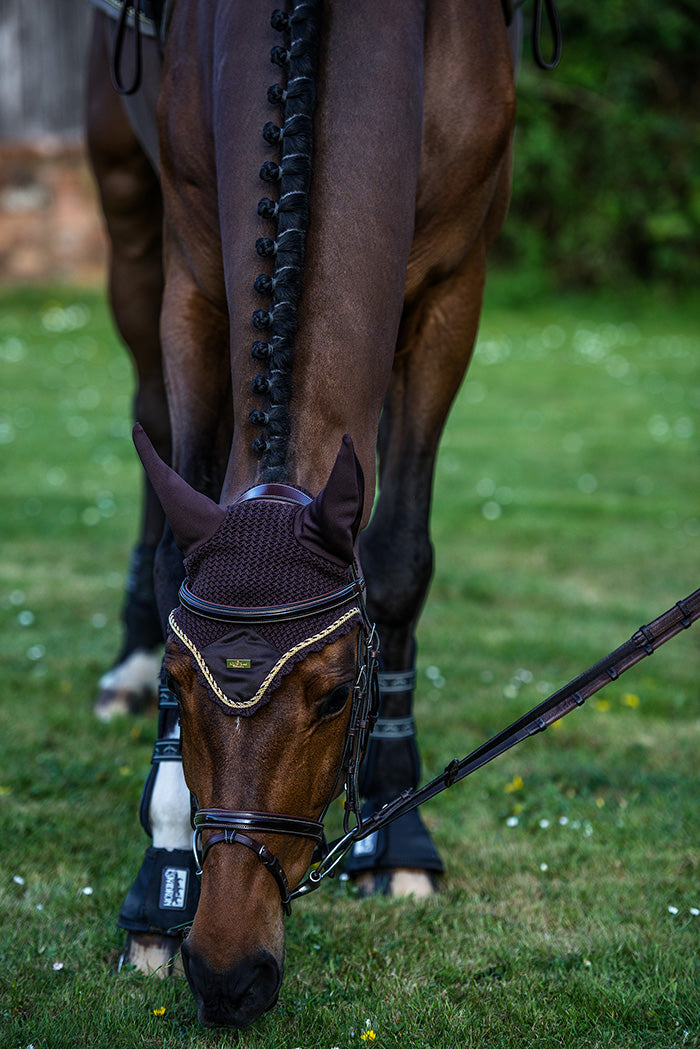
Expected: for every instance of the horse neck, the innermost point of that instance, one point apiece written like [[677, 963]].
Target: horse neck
[[330, 378]]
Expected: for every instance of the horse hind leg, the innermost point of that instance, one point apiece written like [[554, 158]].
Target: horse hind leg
[[129, 686], [131, 202], [436, 342]]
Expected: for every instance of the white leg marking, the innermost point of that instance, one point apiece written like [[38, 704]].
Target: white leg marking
[[406, 882], [129, 687], [152, 954], [169, 811]]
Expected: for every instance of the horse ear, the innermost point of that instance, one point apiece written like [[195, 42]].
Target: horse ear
[[193, 517], [330, 524]]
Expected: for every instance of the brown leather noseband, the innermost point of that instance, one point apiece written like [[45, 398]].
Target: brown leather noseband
[[231, 826]]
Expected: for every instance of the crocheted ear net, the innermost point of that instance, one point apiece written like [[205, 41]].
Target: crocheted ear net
[[254, 559]]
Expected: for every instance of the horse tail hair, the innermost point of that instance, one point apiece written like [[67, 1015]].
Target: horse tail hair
[[289, 212]]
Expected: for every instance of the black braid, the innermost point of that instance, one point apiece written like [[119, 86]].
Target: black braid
[[292, 177]]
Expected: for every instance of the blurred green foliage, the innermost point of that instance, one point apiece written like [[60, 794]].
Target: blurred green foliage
[[606, 187]]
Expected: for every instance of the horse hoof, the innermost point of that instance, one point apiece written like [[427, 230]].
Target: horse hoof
[[130, 687], [399, 883], [153, 954]]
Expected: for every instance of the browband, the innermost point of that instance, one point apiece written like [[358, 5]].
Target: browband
[[281, 492], [270, 613]]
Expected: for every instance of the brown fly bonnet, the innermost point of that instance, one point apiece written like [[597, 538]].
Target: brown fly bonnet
[[275, 546]]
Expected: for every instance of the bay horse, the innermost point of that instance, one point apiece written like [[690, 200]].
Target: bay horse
[[292, 351]]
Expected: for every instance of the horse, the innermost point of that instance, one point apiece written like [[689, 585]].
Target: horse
[[297, 354]]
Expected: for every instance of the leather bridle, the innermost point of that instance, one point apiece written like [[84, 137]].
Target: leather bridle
[[234, 827]]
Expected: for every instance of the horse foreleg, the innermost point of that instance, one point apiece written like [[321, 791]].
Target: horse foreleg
[[131, 201], [164, 895], [163, 899], [435, 345]]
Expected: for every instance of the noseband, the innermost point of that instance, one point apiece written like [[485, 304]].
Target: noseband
[[231, 826]]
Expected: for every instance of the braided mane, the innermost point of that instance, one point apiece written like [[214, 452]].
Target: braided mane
[[290, 213]]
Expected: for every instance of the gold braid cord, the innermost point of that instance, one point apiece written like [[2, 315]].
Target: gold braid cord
[[354, 611]]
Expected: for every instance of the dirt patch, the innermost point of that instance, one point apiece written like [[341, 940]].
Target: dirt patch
[[50, 222]]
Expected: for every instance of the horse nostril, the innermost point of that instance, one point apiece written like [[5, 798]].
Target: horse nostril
[[233, 997]]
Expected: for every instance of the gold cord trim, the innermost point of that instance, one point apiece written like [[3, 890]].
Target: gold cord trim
[[354, 611]]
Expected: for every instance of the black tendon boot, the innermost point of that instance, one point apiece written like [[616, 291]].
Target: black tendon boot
[[391, 765], [164, 896]]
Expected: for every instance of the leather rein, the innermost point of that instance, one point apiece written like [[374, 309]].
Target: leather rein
[[234, 827], [643, 643]]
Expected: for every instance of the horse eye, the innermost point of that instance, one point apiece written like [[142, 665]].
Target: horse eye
[[334, 702], [172, 686]]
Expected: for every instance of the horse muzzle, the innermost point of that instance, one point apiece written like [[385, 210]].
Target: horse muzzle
[[235, 997]]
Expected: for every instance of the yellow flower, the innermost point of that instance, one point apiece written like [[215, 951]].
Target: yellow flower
[[603, 705], [368, 1036], [160, 1011], [630, 699], [515, 784]]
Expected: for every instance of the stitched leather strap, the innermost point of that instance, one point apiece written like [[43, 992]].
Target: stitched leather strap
[[270, 613], [218, 819], [281, 492], [267, 858]]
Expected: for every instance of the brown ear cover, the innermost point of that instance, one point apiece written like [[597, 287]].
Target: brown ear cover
[[193, 517], [330, 524]]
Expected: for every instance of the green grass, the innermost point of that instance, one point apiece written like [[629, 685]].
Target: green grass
[[566, 514]]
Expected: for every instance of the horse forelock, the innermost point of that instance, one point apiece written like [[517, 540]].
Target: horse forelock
[[289, 213]]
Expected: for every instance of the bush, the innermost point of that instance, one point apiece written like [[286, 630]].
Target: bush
[[606, 188]]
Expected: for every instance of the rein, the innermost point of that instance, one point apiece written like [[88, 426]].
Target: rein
[[643, 643]]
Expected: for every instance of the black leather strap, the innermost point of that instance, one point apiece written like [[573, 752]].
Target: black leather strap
[[285, 493], [270, 613], [267, 858], [219, 819]]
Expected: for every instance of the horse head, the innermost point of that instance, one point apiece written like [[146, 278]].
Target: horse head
[[265, 654]]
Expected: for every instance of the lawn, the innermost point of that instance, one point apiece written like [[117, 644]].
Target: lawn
[[565, 515]]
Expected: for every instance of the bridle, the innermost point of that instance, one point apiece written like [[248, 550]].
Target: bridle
[[232, 827], [235, 827]]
